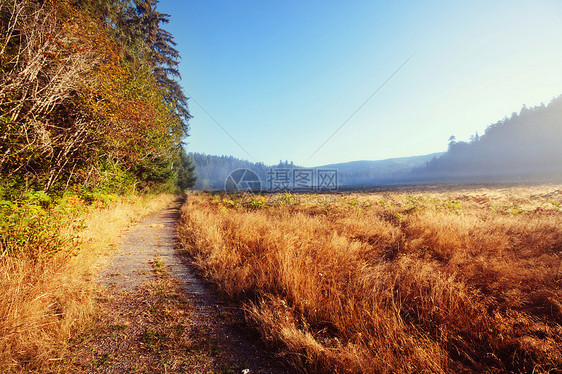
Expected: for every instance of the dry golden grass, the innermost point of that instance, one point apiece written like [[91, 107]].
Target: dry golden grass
[[441, 282], [43, 302]]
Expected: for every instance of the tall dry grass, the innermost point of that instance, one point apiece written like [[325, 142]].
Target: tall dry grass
[[458, 281], [45, 300]]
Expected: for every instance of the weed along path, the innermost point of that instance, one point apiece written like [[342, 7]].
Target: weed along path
[[156, 315]]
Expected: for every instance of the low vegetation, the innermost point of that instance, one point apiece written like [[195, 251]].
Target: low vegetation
[[50, 252], [441, 282]]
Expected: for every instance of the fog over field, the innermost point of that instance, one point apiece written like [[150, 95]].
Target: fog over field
[[522, 147]]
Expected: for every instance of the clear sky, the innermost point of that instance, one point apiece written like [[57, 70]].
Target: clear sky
[[281, 76]]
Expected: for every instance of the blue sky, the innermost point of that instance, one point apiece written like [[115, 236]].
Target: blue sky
[[282, 76]]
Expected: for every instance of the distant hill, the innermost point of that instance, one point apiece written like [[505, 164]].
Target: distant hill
[[212, 171], [380, 172], [526, 147]]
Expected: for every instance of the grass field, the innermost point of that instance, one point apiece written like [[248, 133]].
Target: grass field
[[391, 282]]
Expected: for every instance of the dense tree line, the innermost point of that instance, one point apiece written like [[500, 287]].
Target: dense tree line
[[211, 171], [89, 97], [523, 147]]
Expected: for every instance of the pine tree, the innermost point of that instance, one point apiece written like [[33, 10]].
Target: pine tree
[[163, 55], [186, 171]]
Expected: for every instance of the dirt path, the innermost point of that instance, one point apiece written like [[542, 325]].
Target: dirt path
[[158, 316], [154, 237]]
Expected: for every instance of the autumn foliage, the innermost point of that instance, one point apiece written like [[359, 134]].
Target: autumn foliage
[[73, 109]]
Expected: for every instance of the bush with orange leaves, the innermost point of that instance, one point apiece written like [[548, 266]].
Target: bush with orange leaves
[[441, 282]]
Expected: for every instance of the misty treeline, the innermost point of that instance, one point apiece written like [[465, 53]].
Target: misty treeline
[[524, 147], [212, 171], [89, 98]]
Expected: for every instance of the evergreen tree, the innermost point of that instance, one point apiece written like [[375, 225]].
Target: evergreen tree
[[186, 171], [163, 55]]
